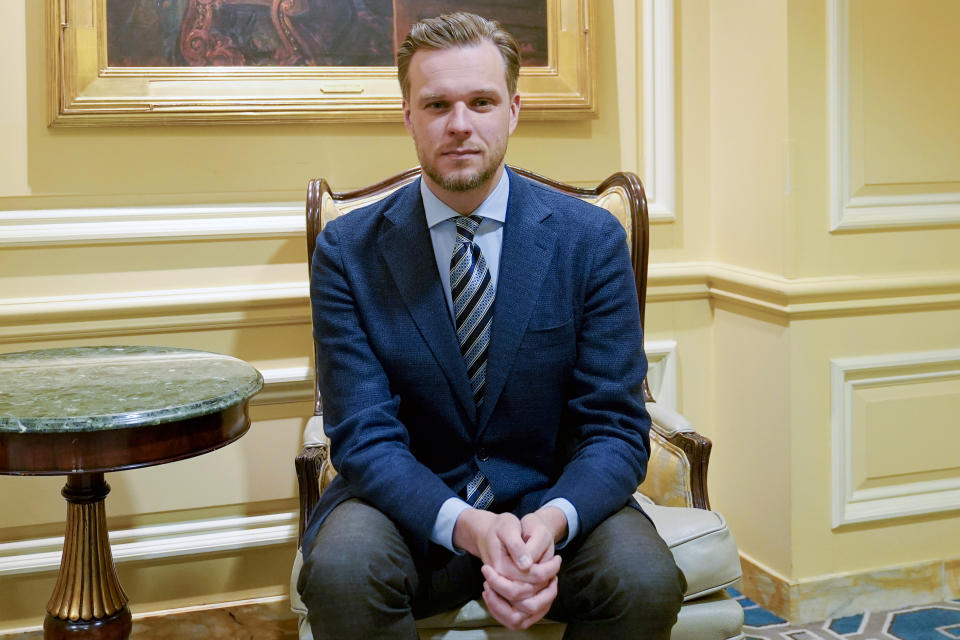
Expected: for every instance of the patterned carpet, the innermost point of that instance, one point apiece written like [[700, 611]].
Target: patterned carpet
[[929, 622]]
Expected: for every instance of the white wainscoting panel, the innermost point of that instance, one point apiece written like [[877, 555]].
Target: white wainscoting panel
[[847, 211], [659, 131], [852, 504], [645, 71]]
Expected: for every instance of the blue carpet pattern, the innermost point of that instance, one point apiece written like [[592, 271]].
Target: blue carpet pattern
[[928, 622]]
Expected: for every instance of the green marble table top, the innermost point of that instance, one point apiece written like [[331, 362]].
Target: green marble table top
[[102, 388]]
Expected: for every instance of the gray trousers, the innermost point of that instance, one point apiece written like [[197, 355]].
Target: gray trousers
[[360, 580]]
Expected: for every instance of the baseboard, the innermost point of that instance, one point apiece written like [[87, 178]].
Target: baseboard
[[839, 595]]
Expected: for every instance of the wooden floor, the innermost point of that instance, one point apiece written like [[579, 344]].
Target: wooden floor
[[269, 621]]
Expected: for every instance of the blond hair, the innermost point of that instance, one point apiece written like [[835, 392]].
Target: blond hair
[[458, 30]]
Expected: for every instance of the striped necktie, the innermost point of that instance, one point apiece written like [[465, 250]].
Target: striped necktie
[[472, 292]]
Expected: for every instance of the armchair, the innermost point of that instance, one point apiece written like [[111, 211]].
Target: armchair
[[673, 494]]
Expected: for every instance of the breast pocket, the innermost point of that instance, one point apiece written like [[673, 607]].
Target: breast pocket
[[544, 337], [542, 370]]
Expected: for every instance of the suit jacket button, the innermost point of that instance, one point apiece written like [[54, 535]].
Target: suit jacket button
[[482, 455]]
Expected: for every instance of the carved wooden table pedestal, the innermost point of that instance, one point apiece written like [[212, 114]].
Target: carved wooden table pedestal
[[88, 600]]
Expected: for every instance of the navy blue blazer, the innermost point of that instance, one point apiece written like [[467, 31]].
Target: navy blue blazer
[[563, 414]]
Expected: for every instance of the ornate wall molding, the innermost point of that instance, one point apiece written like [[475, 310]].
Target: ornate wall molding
[[802, 298], [139, 312], [645, 99], [912, 495], [71, 317], [659, 130], [188, 538], [46, 227], [283, 385], [850, 212]]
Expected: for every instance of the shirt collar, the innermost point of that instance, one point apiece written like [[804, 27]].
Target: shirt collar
[[493, 207]]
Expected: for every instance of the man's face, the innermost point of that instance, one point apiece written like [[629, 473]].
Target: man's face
[[460, 115]]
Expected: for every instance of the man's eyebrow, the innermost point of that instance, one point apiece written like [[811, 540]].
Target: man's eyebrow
[[483, 91]]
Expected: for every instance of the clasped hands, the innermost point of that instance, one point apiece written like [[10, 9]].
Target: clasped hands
[[519, 564]]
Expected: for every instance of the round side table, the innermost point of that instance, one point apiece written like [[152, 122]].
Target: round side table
[[84, 411]]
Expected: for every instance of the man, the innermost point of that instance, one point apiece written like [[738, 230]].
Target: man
[[480, 359]]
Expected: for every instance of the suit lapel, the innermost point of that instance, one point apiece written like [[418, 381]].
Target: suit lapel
[[525, 257], [408, 252]]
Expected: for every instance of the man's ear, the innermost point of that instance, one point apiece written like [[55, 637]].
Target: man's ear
[[514, 111], [406, 117]]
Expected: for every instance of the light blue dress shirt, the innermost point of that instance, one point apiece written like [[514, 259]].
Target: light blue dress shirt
[[489, 237]]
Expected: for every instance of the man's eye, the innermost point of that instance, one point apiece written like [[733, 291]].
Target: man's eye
[[436, 105]]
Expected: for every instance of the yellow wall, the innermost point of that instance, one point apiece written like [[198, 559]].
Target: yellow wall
[[748, 126], [761, 277], [835, 184]]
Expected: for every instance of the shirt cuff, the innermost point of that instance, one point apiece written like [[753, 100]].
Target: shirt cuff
[[573, 520], [442, 533]]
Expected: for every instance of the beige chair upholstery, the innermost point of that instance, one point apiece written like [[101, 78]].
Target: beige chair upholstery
[[674, 493]]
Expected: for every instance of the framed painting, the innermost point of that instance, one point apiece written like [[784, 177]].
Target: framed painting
[[136, 62]]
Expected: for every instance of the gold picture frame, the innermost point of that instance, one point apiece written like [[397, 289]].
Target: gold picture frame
[[85, 91]]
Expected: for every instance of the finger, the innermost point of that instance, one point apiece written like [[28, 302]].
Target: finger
[[502, 611], [538, 574], [534, 576], [540, 546], [537, 606], [492, 551], [538, 538], [543, 572], [511, 590], [510, 534]]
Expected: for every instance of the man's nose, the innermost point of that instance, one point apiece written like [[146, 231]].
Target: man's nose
[[459, 122]]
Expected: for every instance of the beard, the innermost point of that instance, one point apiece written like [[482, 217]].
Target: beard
[[466, 180], [461, 182]]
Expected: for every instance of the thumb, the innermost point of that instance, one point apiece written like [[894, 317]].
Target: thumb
[[516, 547]]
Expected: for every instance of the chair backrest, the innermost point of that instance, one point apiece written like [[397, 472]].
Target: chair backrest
[[621, 194]]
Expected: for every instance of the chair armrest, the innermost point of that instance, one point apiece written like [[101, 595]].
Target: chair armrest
[[677, 470], [314, 470], [310, 464]]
